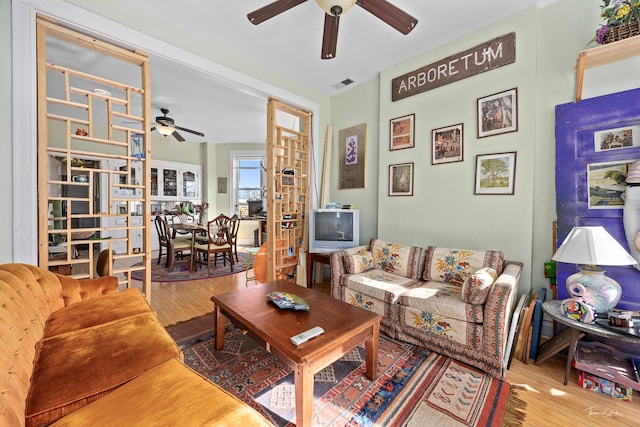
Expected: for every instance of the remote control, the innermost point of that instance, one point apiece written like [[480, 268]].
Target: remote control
[[305, 336]]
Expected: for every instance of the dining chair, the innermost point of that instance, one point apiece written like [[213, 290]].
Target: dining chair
[[182, 218], [174, 247], [218, 242]]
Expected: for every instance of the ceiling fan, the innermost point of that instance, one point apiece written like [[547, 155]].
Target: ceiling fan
[[382, 9], [166, 126]]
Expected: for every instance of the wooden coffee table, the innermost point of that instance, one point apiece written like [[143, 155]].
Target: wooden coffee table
[[345, 327]]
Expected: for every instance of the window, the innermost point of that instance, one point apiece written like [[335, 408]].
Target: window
[[248, 183]]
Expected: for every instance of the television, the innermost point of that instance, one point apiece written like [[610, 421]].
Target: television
[[333, 229]]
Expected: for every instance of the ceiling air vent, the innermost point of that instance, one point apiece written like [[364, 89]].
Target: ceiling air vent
[[344, 83]]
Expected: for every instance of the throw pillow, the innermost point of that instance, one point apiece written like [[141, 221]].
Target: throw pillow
[[358, 263], [477, 286], [454, 266]]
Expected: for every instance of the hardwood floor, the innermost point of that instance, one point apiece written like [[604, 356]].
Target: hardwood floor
[[549, 402]]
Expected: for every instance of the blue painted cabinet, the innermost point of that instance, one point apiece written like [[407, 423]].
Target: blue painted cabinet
[[585, 193]]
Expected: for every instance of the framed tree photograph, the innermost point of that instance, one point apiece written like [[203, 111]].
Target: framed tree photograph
[[498, 113], [401, 179], [495, 173], [401, 132], [446, 144]]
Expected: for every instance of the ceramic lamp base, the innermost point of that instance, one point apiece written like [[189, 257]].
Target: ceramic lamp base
[[592, 286]]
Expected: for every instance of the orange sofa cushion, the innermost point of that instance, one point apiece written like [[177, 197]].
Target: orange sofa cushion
[[96, 311], [75, 368], [143, 402]]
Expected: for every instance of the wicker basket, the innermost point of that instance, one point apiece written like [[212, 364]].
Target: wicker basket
[[623, 31]]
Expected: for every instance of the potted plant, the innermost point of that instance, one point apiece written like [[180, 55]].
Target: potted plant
[[621, 20]]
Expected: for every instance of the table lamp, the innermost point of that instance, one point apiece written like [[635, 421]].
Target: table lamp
[[590, 247]]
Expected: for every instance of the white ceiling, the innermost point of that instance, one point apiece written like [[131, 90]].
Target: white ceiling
[[288, 45]]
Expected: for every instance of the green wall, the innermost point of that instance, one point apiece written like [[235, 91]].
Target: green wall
[[6, 164], [444, 211]]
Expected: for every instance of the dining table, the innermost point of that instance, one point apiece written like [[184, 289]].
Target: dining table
[[194, 229]]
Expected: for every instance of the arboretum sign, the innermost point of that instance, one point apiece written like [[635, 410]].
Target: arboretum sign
[[484, 57]]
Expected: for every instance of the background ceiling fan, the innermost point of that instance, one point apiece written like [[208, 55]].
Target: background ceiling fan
[[382, 9], [166, 126]]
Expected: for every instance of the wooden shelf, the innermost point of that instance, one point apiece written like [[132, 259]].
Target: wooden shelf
[[605, 54]]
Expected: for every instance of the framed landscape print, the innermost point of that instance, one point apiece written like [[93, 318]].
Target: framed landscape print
[[402, 130], [446, 144], [498, 113], [401, 179], [495, 173], [607, 185]]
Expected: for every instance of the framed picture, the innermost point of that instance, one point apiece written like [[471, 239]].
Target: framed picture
[[446, 144], [222, 185], [498, 113], [402, 129], [352, 156], [137, 146], [614, 139], [401, 179], [607, 184], [495, 173]]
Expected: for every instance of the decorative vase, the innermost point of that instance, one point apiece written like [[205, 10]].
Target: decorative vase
[[631, 219], [591, 284]]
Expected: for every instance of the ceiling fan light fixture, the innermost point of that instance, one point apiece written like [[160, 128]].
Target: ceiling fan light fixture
[[335, 7], [164, 130]]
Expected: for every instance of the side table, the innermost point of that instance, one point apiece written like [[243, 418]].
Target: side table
[[575, 331], [311, 259]]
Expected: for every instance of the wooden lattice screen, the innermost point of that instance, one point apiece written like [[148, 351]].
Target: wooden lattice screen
[[93, 160], [288, 162]]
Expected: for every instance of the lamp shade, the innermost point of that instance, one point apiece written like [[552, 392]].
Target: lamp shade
[[164, 130], [592, 246], [327, 5]]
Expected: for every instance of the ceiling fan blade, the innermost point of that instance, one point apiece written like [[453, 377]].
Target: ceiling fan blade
[[195, 132], [272, 9], [392, 15], [177, 136], [330, 36]]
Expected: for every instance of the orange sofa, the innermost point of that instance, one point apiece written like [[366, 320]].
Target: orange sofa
[[79, 352]]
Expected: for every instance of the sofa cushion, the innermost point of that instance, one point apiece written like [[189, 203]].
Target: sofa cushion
[[75, 368], [359, 262], [194, 401], [407, 261], [380, 284], [477, 286], [96, 311], [437, 298], [454, 266]]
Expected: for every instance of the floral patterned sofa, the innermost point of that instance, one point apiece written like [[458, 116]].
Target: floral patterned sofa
[[455, 302]]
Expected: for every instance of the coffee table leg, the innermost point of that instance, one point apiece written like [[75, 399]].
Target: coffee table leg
[[304, 395], [219, 327], [371, 353]]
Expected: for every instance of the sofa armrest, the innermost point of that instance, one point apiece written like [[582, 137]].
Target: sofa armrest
[[74, 290], [336, 262], [499, 308]]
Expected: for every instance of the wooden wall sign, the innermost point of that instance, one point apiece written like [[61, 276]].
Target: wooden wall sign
[[484, 57]]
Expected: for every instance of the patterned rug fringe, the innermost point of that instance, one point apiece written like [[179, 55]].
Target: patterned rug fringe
[[515, 412]]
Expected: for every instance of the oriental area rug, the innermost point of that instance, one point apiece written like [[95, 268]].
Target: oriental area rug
[[181, 271], [415, 387]]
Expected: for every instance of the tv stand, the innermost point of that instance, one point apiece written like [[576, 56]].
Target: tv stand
[[313, 257]]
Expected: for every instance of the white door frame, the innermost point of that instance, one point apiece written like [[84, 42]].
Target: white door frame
[[24, 102]]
